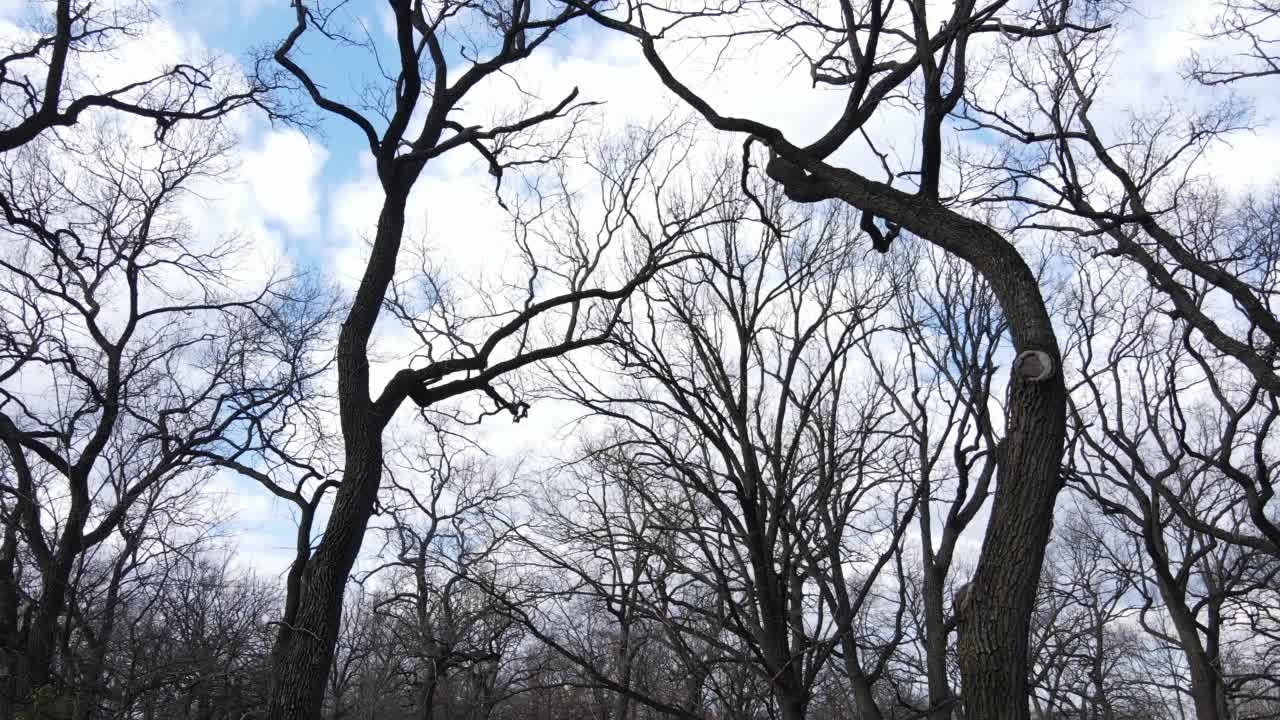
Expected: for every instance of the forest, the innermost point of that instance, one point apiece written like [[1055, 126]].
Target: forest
[[640, 359]]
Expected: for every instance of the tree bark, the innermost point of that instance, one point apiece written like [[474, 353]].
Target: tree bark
[[1208, 692], [9, 602]]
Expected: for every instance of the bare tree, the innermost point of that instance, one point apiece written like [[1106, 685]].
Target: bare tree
[[1139, 193], [193, 644], [1250, 28], [167, 530], [936, 373], [128, 354], [46, 81], [409, 118], [446, 539], [1177, 398], [787, 443], [882, 49], [743, 505], [1147, 438], [1091, 659]]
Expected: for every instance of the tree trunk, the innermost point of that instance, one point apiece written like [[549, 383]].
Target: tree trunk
[[935, 640], [97, 665], [622, 701], [42, 636], [303, 651], [995, 623], [994, 627], [793, 708], [304, 646], [10, 653], [1207, 690], [864, 698]]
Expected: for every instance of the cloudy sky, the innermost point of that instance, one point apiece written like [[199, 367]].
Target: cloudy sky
[[310, 200]]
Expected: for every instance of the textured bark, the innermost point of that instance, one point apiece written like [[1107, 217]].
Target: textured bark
[[994, 628]]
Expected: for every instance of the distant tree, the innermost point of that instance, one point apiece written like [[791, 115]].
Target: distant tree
[[115, 582], [1152, 421], [935, 372], [1091, 659], [738, 504], [444, 545], [129, 354], [198, 648]]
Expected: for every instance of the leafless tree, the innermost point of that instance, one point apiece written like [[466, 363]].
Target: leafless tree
[[1140, 193], [193, 645], [875, 51], [167, 532], [788, 444], [744, 509], [936, 373], [443, 550], [1250, 29], [47, 80], [1091, 659], [1151, 421], [129, 354], [441, 53]]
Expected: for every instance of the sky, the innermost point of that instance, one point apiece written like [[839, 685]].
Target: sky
[[310, 199]]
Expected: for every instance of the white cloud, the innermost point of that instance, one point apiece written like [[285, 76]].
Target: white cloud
[[282, 170], [281, 187]]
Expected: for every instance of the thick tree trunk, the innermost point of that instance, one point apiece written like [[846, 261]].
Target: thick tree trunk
[[864, 699], [43, 633], [10, 652], [994, 626], [1207, 689], [303, 652], [304, 646], [622, 701], [793, 708], [996, 621]]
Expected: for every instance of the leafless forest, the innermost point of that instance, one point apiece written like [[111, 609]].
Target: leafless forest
[[945, 388]]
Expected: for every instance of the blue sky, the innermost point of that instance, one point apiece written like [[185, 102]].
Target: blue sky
[[316, 197], [262, 24]]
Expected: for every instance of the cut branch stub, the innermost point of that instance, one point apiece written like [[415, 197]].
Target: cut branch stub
[[1033, 365], [961, 601]]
